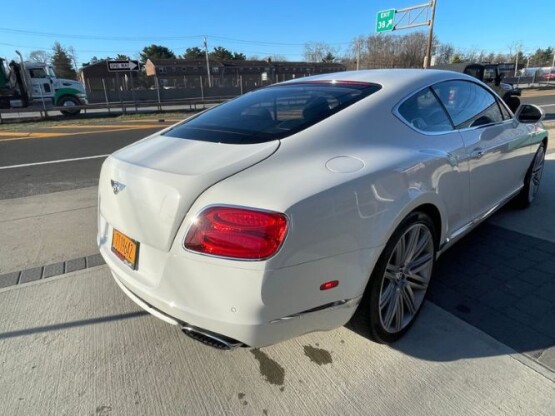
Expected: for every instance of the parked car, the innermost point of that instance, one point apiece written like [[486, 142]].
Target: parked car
[[550, 76], [279, 212]]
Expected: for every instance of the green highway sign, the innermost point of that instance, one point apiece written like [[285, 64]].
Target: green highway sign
[[384, 21]]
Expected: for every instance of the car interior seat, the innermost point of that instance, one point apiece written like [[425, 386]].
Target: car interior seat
[[316, 108]]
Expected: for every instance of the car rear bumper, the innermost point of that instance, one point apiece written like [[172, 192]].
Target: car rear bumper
[[245, 306]]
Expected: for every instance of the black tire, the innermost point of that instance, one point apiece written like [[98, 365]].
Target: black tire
[[532, 180], [369, 309], [69, 102]]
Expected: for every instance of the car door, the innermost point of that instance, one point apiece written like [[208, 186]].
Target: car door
[[438, 138], [495, 144], [42, 85]]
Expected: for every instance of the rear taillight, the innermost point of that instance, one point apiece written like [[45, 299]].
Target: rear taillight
[[237, 232]]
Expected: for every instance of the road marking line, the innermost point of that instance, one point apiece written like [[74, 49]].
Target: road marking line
[[13, 133], [166, 120], [547, 105], [108, 126], [30, 135], [55, 135], [24, 165]]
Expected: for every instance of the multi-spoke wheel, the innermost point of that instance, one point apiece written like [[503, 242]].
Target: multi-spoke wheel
[[400, 279], [532, 180]]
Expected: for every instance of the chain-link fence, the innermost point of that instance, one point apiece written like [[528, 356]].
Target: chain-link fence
[[140, 88], [530, 77]]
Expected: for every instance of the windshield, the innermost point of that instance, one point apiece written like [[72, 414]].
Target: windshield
[[272, 113], [50, 71]]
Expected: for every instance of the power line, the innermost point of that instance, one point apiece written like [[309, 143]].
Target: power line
[[94, 37], [80, 50], [152, 38]]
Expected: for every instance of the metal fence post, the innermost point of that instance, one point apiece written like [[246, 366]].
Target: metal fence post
[[106, 95], [43, 103], [158, 91], [133, 90]]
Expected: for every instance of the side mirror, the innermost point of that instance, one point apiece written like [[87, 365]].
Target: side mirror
[[529, 113]]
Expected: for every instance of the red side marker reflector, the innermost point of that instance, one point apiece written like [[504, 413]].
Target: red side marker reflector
[[329, 285]]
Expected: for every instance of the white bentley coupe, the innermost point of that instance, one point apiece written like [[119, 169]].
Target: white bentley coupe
[[284, 210]]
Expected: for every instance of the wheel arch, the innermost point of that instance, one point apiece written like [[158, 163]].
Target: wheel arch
[[60, 98], [431, 205]]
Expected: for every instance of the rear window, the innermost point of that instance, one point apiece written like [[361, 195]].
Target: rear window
[[272, 113]]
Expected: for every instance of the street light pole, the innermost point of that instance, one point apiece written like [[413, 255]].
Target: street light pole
[[207, 63], [428, 62]]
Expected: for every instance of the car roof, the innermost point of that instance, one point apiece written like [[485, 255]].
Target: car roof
[[394, 81]]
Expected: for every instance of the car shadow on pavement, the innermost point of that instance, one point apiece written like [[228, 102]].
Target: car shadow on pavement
[[500, 282], [72, 324]]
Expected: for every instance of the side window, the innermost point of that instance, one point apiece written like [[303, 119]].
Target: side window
[[37, 73], [506, 114], [425, 113], [468, 104]]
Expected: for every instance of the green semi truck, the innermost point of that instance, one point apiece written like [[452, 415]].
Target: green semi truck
[[35, 84]]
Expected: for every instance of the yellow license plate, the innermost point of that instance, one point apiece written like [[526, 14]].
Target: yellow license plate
[[125, 248]]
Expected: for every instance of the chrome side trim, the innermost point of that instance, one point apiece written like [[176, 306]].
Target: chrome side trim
[[397, 114], [462, 231], [345, 303]]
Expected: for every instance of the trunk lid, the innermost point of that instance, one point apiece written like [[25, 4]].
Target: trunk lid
[[160, 179]]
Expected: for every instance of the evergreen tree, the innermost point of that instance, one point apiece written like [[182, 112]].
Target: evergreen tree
[[62, 62], [156, 52], [193, 53]]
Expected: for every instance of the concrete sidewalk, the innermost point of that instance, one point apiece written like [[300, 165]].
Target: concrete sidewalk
[[49, 228], [76, 345]]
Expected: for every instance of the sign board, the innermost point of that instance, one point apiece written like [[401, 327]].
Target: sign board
[[384, 20], [120, 66]]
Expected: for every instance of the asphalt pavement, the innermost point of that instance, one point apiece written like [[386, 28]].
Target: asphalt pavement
[[59, 158]]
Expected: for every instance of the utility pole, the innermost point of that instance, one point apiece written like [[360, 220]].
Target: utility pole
[[516, 63], [358, 54], [430, 36], [207, 63]]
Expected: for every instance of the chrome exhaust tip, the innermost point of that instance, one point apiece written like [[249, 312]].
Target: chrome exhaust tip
[[210, 338]]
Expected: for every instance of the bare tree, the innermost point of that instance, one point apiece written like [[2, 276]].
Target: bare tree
[[444, 53], [40, 56], [278, 58], [317, 51], [73, 55], [390, 51]]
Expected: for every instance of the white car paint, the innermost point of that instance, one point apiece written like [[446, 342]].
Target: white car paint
[[344, 184]]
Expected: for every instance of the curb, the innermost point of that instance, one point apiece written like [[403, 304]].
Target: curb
[[50, 270]]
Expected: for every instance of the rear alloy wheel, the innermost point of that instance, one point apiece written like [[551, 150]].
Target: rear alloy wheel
[[532, 180], [400, 280]]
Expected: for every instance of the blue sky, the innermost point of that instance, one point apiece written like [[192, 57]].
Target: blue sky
[[262, 27]]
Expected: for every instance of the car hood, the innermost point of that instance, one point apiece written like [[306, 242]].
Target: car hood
[[146, 189]]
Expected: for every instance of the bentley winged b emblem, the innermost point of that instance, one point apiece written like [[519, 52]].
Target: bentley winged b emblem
[[117, 187]]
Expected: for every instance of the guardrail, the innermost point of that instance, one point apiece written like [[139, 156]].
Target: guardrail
[[120, 107]]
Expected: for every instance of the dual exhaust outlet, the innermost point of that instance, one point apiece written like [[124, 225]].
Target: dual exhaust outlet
[[210, 338]]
